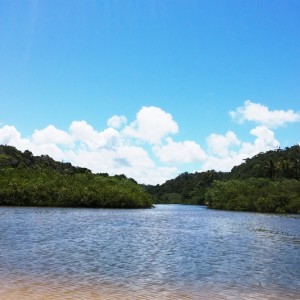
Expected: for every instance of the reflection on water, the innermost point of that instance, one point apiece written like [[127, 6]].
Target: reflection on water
[[170, 252]]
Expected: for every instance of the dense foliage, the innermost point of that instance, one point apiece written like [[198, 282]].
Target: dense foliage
[[186, 188], [255, 194], [267, 182], [276, 164], [40, 181]]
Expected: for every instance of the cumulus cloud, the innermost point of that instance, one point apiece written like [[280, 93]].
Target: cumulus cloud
[[223, 164], [261, 114], [52, 150], [140, 165], [83, 132], [116, 121], [116, 161], [110, 150], [51, 135], [179, 152], [133, 161], [220, 144], [123, 149], [9, 135], [264, 141], [151, 125]]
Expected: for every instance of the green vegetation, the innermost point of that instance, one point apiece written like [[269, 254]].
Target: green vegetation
[[255, 194], [186, 188], [267, 182], [277, 164], [29, 180]]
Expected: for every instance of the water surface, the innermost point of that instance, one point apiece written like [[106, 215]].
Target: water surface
[[169, 252]]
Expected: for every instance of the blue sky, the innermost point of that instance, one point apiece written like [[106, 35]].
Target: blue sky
[[150, 89]]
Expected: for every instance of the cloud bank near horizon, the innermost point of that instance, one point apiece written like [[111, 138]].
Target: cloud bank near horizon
[[145, 149]]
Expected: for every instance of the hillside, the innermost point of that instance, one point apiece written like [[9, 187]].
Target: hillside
[[187, 188], [267, 182], [10, 157], [29, 180], [276, 164]]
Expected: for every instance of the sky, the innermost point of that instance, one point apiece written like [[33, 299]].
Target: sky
[[150, 89]]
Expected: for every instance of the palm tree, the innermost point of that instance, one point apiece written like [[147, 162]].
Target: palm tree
[[271, 169]]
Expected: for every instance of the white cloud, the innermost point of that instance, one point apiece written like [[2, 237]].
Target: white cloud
[[9, 135], [265, 140], [135, 162], [179, 152], [151, 125], [101, 151], [51, 135], [123, 151], [223, 164], [132, 161], [116, 121], [262, 115], [220, 144], [83, 132], [50, 149]]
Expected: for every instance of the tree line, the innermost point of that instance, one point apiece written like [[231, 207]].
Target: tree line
[[28, 180], [255, 194], [267, 182]]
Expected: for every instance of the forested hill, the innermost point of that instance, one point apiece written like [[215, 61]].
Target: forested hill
[[276, 164], [187, 188], [29, 180], [10, 157], [267, 182]]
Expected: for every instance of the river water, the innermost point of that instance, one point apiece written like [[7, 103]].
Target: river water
[[169, 252]]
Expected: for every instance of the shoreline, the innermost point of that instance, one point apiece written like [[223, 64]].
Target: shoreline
[[40, 290]]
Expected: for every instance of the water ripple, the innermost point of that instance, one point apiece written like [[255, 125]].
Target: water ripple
[[170, 252]]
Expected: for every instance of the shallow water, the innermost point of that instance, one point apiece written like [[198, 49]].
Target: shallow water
[[169, 252]]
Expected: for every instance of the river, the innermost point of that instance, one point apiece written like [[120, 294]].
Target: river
[[168, 252]]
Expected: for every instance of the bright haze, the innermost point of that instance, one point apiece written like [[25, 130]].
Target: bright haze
[[150, 89]]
